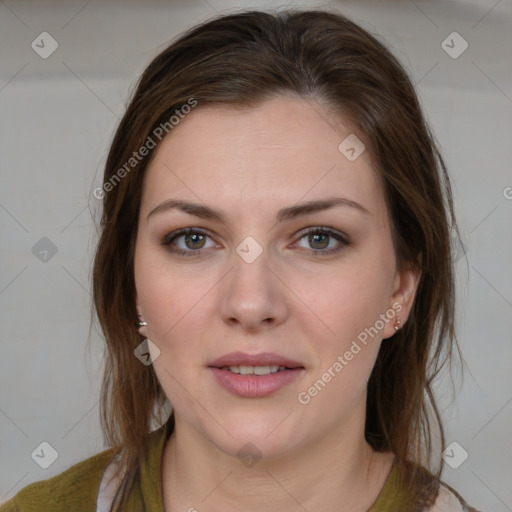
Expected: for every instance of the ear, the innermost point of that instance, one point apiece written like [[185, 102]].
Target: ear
[[405, 286]]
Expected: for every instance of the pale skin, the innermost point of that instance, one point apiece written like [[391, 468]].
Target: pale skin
[[248, 165]]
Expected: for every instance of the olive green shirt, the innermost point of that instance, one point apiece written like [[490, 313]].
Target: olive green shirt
[[76, 489]]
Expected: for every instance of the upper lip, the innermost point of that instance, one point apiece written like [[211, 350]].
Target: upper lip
[[262, 359]]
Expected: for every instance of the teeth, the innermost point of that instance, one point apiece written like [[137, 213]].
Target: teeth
[[254, 370]]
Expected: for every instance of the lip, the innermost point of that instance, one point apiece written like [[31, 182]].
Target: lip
[[262, 359], [255, 386]]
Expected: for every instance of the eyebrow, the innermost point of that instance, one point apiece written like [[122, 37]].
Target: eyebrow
[[285, 214]]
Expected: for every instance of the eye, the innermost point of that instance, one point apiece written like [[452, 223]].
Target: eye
[[193, 241], [319, 239]]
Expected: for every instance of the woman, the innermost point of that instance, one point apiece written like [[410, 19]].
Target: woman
[[273, 279]]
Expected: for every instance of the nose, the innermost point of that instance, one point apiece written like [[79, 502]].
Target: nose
[[254, 295]]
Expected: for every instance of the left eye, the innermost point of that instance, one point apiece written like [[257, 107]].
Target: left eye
[[319, 240]]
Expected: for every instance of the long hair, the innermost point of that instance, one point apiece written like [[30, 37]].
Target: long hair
[[240, 60]]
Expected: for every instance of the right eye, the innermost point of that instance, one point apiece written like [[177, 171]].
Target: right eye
[[193, 241]]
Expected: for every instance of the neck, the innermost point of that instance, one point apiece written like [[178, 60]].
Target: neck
[[344, 471]]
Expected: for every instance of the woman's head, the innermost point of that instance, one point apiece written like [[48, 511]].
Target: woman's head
[[261, 281], [250, 114]]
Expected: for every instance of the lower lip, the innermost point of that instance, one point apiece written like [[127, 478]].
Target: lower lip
[[255, 386]]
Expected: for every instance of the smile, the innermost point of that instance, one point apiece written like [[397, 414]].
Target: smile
[[254, 370]]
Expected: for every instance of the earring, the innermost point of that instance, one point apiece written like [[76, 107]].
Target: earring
[[141, 323], [397, 323]]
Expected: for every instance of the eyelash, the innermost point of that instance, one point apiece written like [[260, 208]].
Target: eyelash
[[170, 238]]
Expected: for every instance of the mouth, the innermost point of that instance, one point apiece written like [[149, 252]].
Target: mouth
[[255, 375], [255, 370], [249, 362]]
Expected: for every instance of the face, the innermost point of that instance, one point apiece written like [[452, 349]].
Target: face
[[316, 288]]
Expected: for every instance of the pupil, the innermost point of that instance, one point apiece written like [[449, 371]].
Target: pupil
[[320, 236], [195, 238]]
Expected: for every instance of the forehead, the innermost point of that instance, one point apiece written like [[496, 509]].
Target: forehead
[[286, 149]]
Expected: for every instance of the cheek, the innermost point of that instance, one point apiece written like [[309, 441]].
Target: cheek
[[174, 305], [173, 310], [164, 293], [347, 299], [344, 325], [346, 334], [370, 283]]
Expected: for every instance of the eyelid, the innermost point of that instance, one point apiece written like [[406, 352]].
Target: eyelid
[[324, 229], [342, 239], [185, 231]]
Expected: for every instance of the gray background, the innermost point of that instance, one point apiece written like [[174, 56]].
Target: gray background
[[57, 119]]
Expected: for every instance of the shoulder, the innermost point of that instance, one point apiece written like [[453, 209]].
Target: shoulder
[[398, 494], [448, 500], [75, 489]]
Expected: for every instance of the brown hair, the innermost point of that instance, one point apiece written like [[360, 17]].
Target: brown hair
[[240, 60]]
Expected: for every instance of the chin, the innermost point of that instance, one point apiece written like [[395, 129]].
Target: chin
[[255, 435]]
